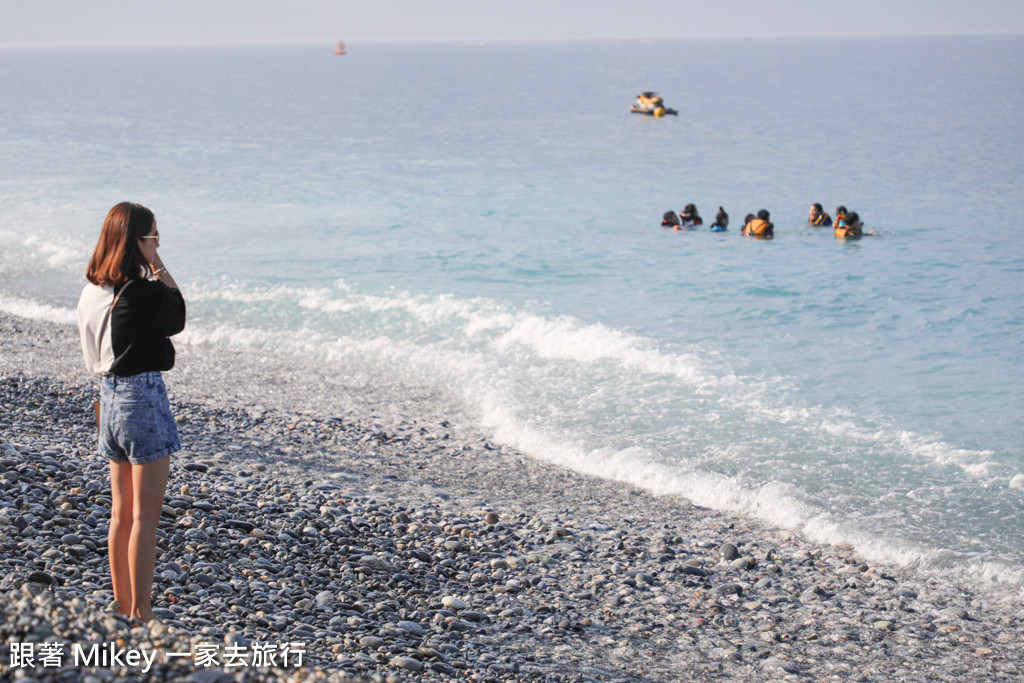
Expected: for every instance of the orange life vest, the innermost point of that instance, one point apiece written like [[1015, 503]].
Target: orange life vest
[[823, 219], [848, 231], [759, 228]]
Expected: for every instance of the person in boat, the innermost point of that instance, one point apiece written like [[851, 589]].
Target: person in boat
[[690, 217], [648, 100], [818, 218], [721, 223], [670, 220], [760, 226]]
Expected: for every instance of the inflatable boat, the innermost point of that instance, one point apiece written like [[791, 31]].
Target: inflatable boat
[[650, 104], [654, 111]]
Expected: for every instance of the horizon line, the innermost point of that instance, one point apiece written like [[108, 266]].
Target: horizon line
[[481, 42]]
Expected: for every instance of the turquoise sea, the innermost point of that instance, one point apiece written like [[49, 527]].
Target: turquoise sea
[[484, 220]]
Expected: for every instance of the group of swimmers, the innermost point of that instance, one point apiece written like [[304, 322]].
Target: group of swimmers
[[847, 224]]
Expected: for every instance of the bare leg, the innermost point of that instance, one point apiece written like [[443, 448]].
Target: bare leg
[[149, 484], [120, 532]]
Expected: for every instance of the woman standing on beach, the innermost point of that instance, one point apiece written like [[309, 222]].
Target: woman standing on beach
[[125, 319]]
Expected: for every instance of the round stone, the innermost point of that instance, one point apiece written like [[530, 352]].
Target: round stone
[[412, 627], [371, 642], [451, 602], [407, 663], [728, 552]]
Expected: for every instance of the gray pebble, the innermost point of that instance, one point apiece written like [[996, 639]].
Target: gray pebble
[[407, 663]]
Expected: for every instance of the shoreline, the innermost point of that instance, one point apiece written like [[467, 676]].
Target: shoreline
[[372, 524]]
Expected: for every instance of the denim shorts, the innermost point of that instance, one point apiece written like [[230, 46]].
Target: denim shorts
[[136, 424]]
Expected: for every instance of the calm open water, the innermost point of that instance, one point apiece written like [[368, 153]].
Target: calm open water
[[484, 220]]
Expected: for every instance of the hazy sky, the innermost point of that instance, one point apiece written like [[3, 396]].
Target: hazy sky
[[146, 21]]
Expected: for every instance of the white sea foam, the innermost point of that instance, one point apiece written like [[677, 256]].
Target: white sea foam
[[57, 251], [975, 463], [31, 309], [775, 503], [32, 250], [567, 338], [457, 324]]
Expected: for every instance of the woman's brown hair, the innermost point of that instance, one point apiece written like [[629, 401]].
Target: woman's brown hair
[[117, 256]]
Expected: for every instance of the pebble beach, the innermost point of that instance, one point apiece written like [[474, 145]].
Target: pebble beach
[[332, 528]]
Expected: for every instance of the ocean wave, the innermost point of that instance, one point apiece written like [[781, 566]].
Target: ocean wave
[[27, 308], [32, 251], [604, 402]]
